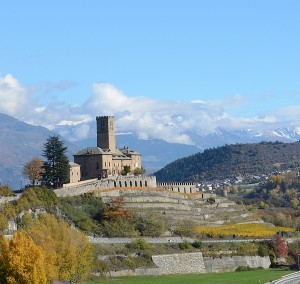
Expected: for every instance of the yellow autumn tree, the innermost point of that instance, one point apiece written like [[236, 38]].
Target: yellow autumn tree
[[68, 252], [21, 261]]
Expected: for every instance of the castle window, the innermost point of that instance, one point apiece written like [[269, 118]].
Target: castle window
[[97, 166]]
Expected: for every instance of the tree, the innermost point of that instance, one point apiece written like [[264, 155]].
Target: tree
[[57, 164], [21, 261], [33, 170], [68, 253], [139, 171], [280, 246]]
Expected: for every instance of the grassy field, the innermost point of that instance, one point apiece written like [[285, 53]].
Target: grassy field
[[247, 277]]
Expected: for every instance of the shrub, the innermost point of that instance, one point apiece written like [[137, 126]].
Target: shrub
[[197, 244], [138, 244], [5, 190], [184, 245]]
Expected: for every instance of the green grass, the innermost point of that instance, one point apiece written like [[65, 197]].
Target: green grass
[[247, 277]]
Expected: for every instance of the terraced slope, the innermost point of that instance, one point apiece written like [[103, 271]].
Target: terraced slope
[[176, 208]]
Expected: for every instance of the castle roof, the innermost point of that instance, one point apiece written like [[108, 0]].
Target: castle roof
[[93, 151], [127, 151], [119, 154]]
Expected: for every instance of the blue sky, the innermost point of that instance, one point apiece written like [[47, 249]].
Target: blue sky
[[235, 62]]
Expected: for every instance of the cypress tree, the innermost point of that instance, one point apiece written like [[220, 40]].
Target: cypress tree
[[57, 164]]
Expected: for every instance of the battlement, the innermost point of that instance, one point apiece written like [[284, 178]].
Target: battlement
[[104, 117], [182, 187]]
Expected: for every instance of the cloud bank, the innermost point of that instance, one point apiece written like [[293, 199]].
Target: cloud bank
[[171, 121]]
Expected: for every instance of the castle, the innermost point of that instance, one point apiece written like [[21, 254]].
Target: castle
[[106, 159]]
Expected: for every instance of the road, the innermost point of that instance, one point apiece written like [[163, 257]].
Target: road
[[293, 278], [168, 240]]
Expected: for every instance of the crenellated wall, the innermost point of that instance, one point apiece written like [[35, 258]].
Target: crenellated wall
[[182, 187], [107, 183]]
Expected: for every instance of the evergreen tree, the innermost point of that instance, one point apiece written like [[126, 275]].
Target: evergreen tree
[[57, 164]]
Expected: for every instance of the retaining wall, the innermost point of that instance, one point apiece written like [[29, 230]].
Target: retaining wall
[[194, 263], [227, 263]]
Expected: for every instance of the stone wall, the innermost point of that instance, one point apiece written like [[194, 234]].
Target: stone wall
[[183, 187], [227, 263], [180, 263], [194, 263], [107, 183]]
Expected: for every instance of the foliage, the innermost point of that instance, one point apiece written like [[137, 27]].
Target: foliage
[[263, 249], [116, 210], [184, 245], [248, 249], [25, 221], [232, 160], [21, 261], [139, 171], [242, 230], [211, 200], [150, 225], [126, 170], [247, 268], [280, 246], [37, 197], [33, 170], [188, 228], [68, 252], [5, 190], [56, 165], [139, 244], [197, 244], [84, 211], [278, 191], [119, 228]]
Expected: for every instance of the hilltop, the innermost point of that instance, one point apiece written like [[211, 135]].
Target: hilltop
[[232, 160]]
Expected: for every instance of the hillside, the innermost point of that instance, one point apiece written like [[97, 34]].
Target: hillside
[[19, 143], [232, 160]]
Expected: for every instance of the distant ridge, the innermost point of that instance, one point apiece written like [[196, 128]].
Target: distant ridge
[[19, 143], [231, 160]]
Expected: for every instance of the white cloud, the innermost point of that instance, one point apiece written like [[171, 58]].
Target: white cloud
[[14, 97], [171, 121]]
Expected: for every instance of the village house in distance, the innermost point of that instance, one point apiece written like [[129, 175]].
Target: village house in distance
[[106, 159]]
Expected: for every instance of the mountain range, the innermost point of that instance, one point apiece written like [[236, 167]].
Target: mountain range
[[20, 142]]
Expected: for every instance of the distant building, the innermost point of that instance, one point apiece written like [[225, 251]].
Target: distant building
[[106, 160]]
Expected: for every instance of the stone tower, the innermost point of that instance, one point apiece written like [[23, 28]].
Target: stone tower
[[106, 133]]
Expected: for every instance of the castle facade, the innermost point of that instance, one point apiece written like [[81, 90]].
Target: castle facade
[[106, 159]]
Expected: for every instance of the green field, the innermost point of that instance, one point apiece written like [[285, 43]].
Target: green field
[[247, 277]]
